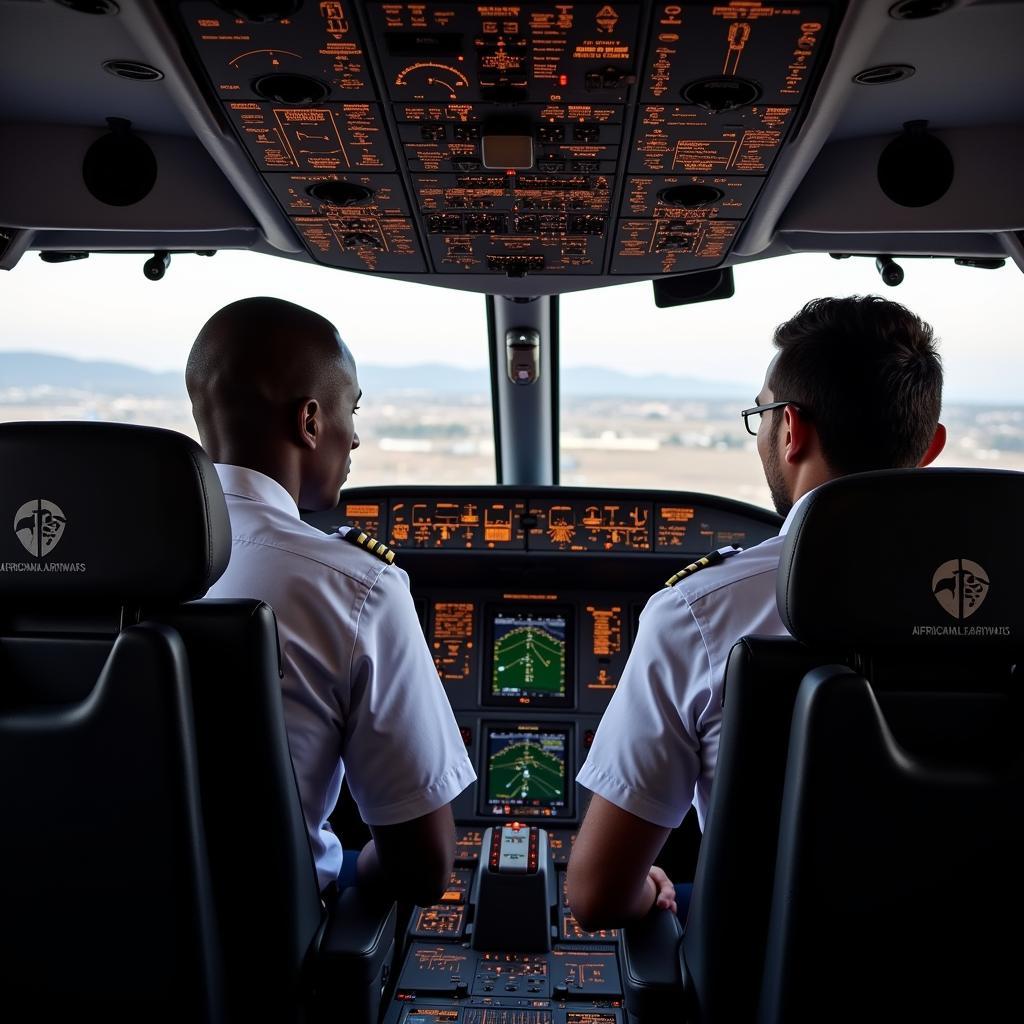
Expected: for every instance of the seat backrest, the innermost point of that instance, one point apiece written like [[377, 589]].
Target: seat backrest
[[104, 885], [898, 889], [267, 899], [724, 942]]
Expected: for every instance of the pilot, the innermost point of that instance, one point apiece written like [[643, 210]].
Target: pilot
[[856, 385], [274, 392]]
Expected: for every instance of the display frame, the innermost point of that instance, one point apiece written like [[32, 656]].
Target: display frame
[[540, 701], [492, 811]]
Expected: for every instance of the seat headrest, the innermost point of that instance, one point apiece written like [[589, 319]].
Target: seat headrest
[[910, 558], [108, 511]]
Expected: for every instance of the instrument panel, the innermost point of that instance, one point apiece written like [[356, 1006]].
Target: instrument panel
[[531, 138], [627, 525], [529, 600]]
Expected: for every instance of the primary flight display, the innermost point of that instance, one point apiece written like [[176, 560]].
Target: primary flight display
[[529, 656]]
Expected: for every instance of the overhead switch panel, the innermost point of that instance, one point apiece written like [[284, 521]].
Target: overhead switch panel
[[534, 138]]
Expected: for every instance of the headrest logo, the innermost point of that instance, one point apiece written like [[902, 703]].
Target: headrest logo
[[39, 525], [961, 587]]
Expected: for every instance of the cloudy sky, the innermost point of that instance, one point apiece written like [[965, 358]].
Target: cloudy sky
[[103, 308]]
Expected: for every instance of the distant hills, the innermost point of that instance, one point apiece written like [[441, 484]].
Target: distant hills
[[31, 370]]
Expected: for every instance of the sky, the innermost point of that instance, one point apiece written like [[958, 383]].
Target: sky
[[104, 308]]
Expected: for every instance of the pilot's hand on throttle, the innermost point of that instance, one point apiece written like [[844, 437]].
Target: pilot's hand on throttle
[[664, 890]]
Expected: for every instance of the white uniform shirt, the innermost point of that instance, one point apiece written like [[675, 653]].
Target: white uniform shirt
[[360, 691], [655, 750]]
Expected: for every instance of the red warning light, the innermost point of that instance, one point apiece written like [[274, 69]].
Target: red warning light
[[563, 80]]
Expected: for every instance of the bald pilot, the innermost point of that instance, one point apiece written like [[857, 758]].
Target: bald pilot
[[274, 392]]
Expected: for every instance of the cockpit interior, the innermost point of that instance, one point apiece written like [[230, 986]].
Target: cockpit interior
[[520, 151]]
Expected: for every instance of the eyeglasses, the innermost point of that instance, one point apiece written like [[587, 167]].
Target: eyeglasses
[[759, 409]]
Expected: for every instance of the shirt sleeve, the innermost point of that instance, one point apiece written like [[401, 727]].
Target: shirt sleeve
[[646, 756], [403, 753]]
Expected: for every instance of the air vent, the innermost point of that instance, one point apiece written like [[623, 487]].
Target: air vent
[[91, 6], [884, 74], [132, 70], [296, 90], [721, 94], [913, 10]]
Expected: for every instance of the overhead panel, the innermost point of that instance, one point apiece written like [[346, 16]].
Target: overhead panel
[[542, 139], [301, 97]]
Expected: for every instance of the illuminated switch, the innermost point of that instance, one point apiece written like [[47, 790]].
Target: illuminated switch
[[433, 133], [586, 132], [550, 164], [550, 134], [439, 223]]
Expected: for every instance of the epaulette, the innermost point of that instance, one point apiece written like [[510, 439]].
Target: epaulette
[[371, 544], [715, 558]]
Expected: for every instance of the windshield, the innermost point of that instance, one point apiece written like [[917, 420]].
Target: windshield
[[421, 352], [649, 397]]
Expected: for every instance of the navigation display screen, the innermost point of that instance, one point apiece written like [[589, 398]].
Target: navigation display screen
[[527, 770], [530, 659]]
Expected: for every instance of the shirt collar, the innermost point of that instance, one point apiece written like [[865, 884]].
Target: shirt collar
[[241, 482], [792, 512]]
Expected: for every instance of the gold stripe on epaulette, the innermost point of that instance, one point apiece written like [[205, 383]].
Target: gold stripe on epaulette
[[371, 545], [689, 570], [702, 563]]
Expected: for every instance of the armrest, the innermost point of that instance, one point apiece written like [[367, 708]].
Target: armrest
[[651, 975], [354, 957]]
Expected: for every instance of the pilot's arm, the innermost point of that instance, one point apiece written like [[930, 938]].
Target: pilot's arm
[[643, 767], [404, 756], [611, 878]]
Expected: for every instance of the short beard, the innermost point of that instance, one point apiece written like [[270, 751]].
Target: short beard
[[773, 474]]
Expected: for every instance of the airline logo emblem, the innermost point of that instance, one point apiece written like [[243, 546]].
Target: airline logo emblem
[[961, 587], [39, 525]]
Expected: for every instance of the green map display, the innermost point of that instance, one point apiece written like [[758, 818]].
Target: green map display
[[529, 655], [526, 769]]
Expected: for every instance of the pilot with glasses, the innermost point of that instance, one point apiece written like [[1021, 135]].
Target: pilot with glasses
[[859, 386]]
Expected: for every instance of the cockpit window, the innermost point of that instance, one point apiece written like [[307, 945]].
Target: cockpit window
[[652, 397], [94, 339]]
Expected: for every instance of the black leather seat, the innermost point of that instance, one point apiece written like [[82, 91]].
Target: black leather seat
[[284, 957], [712, 972], [898, 892], [837, 593], [105, 902]]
